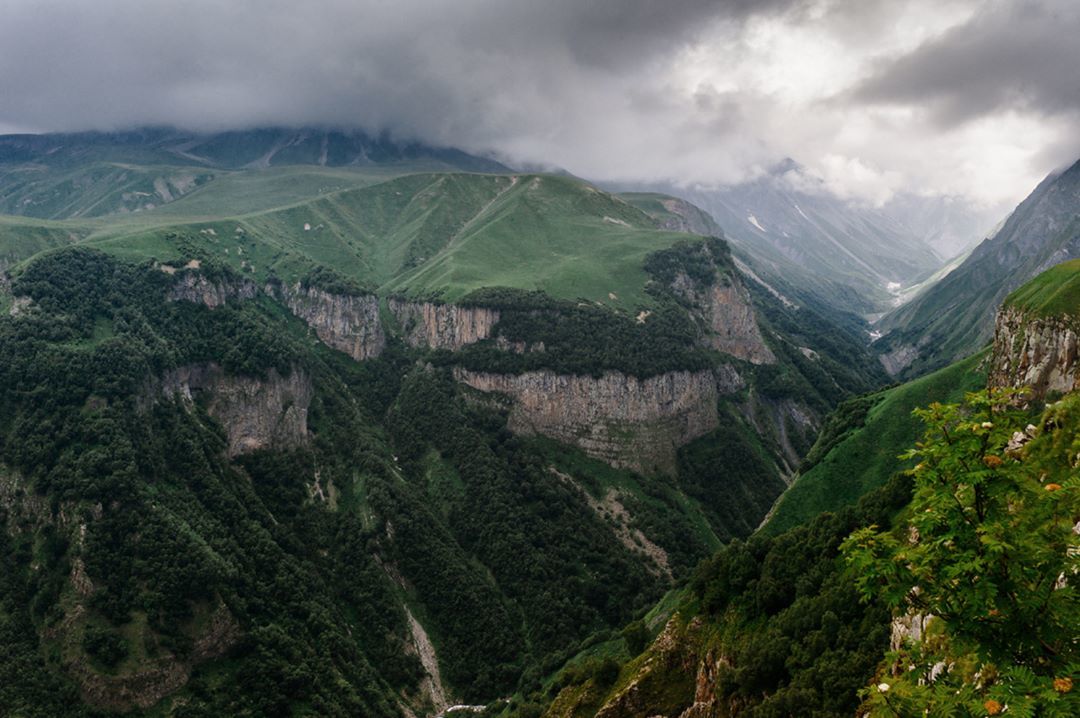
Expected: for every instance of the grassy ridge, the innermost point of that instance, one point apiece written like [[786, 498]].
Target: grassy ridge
[[422, 235], [555, 234], [21, 237], [870, 454], [1054, 292]]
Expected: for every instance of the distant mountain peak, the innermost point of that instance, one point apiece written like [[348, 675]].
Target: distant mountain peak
[[785, 166]]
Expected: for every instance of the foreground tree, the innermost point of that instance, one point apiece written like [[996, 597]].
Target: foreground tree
[[986, 563]]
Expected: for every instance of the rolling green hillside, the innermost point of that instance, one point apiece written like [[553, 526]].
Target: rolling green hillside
[[860, 445], [423, 235], [1055, 292], [22, 237], [92, 174], [553, 234]]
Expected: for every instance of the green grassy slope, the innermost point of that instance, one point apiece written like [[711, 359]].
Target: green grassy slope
[[551, 233], [92, 174], [22, 237], [1053, 293], [869, 454], [94, 189], [420, 234], [236, 193]]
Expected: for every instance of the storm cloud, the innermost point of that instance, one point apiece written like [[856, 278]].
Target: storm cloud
[[1021, 56], [967, 98]]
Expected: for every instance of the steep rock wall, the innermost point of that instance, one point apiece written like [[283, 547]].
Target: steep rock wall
[[727, 315], [1038, 352], [256, 413], [443, 326], [625, 421], [197, 288], [345, 322]]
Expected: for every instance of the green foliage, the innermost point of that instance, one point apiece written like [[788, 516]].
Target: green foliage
[[847, 418], [988, 551], [27, 686], [730, 475], [548, 554], [698, 260], [584, 339], [861, 459], [841, 365], [606, 671], [104, 646], [172, 528], [636, 636], [798, 640], [405, 494]]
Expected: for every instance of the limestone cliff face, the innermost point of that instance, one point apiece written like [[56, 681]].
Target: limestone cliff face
[[345, 322], [443, 326], [727, 317], [256, 413], [1038, 352], [625, 421], [197, 288]]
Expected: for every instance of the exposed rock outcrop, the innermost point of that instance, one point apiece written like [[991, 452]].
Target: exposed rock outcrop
[[898, 359], [431, 685], [443, 326], [256, 413], [794, 426], [727, 315], [193, 286], [1038, 352], [907, 629], [625, 421], [685, 217], [347, 322]]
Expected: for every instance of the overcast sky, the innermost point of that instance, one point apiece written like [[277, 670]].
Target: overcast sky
[[976, 98]]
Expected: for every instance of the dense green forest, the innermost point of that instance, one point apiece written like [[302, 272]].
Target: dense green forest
[[781, 611]]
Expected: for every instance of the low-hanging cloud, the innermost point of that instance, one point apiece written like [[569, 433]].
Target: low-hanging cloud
[[691, 91]]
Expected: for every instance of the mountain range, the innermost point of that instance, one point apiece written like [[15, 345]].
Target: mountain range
[[854, 256], [955, 316], [307, 422]]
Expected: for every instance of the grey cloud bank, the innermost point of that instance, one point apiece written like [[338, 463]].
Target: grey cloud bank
[[967, 98]]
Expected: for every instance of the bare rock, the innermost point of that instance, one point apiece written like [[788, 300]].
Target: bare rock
[[193, 286], [443, 326], [256, 413], [1037, 352], [727, 315], [346, 322], [625, 421]]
